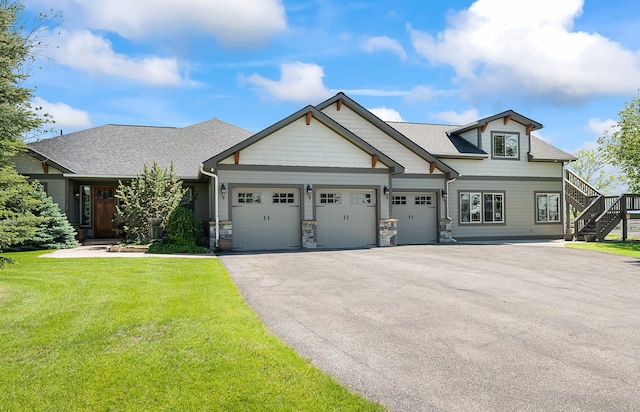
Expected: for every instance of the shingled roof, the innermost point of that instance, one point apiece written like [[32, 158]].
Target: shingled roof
[[434, 139], [122, 150], [439, 140]]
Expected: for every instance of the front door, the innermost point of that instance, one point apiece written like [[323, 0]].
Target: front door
[[104, 207]]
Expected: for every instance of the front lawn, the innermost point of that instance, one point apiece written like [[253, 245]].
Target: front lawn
[[145, 334], [629, 248]]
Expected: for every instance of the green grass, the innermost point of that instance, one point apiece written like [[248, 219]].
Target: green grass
[[631, 249], [145, 334]]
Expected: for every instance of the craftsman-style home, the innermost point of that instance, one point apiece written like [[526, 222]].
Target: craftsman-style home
[[327, 176]]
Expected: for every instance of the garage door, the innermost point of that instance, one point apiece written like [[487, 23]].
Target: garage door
[[265, 218], [417, 217], [346, 218]]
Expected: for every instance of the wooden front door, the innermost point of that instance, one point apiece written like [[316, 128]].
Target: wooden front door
[[104, 208]]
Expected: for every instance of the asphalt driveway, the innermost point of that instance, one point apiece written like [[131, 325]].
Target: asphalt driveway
[[459, 327]]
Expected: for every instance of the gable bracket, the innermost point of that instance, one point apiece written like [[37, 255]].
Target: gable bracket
[[374, 161], [529, 129], [484, 127], [45, 167], [432, 167], [506, 119], [236, 157], [339, 104], [309, 116]]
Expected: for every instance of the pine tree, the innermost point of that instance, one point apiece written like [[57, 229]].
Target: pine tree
[[54, 230], [153, 194]]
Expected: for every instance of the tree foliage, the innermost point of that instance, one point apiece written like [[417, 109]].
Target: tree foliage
[[17, 221], [153, 194], [184, 227], [53, 231], [18, 48], [593, 167], [623, 146], [19, 45]]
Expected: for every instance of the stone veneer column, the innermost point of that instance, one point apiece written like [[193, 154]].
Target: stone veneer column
[[388, 232], [309, 231], [225, 234], [445, 231]]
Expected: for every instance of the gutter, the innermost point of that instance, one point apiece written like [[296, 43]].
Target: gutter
[[216, 206]]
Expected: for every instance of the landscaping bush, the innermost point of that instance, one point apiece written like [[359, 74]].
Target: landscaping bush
[[184, 234], [174, 248], [184, 227], [153, 194]]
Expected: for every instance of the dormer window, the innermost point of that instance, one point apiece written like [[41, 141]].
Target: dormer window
[[505, 145]]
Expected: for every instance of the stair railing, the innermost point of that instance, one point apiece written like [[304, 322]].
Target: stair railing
[[580, 184], [587, 219], [614, 210]]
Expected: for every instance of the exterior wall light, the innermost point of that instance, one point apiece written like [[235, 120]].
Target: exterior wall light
[[223, 190], [309, 191], [385, 190], [444, 194]]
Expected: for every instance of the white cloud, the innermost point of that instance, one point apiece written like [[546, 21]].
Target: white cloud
[[373, 92], [600, 127], [301, 82], [462, 118], [530, 49], [386, 114], [65, 116], [246, 23], [93, 54], [421, 93], [373, 44]]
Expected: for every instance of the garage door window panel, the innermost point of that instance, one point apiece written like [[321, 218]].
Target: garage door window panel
[[249, 197]]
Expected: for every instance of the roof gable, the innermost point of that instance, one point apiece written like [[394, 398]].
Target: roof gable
[[306, 116], [342, 99], [506, 116]]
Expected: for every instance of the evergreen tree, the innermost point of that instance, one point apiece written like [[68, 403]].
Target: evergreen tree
[[153, 194], [18, 47], [17, 221], [54, 230]]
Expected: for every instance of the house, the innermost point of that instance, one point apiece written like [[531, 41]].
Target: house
[[327, 176]]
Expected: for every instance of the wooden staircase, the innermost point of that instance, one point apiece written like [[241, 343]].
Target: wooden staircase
[[598, 214]]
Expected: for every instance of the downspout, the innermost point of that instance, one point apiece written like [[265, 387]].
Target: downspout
[[446, 201], [217, 219], [565, 210]]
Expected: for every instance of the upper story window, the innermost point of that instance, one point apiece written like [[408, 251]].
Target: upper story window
[[505, 145]]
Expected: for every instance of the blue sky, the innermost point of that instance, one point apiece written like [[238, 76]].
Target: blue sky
[[568, 64]]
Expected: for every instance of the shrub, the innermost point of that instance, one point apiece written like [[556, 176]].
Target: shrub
[[153, 194], [173, 248], [184, 228]]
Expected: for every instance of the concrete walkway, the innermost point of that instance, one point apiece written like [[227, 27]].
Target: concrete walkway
[[100, 251]]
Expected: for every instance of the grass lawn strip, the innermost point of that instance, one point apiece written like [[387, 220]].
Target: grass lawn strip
[[631, 249], [146, 334]]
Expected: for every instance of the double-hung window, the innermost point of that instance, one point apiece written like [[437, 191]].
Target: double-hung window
[[481, 207], [547, 207], [505, 145]]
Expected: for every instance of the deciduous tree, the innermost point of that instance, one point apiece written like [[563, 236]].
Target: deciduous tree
[[623, 145], [593, 167]]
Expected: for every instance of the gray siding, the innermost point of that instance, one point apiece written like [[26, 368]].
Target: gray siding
[[519, 209]]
